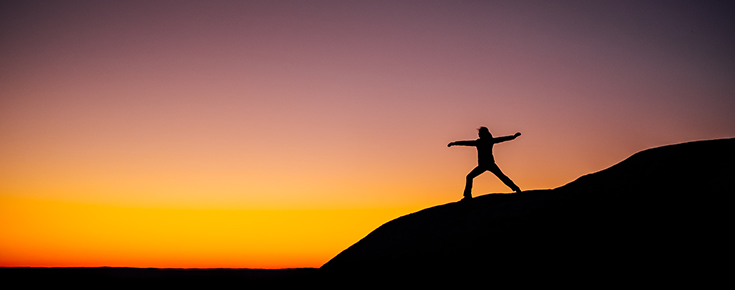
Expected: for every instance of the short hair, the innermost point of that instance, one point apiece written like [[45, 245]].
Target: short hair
[[483, 130]]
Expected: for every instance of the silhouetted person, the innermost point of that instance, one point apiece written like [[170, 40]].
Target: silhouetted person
[[485, 160]]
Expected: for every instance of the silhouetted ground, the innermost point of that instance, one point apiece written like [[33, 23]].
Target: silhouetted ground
[[661, 216]]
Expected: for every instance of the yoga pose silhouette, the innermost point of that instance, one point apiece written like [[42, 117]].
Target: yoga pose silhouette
[[485, 160]]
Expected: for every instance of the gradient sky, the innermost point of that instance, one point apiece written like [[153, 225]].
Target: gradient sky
[[272, 134]]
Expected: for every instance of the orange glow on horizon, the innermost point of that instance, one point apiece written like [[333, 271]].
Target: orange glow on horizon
[[57, 234]]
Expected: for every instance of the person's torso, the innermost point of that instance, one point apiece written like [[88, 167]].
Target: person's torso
[[485, 151]]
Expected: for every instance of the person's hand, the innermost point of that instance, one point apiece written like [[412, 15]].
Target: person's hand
[[450, 144], [517, 134]]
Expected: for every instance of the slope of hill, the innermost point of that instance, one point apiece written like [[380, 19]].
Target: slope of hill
[[660, 214]]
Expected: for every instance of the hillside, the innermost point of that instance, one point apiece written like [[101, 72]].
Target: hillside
[[662, 213]]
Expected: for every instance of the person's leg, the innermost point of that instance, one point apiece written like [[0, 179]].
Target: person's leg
[[496, 170], [468, 186]]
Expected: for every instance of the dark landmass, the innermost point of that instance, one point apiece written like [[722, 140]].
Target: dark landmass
[[149, 278], [660, 216]]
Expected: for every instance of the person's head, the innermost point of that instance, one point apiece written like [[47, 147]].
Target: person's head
[[483, 132]]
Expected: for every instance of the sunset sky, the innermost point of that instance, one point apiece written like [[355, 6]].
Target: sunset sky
[[275, 134]]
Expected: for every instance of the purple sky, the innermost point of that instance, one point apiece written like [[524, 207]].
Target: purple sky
[[246, 88]]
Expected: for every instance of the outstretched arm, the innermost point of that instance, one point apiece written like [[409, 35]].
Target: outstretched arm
[[462, 143], [506, 138]]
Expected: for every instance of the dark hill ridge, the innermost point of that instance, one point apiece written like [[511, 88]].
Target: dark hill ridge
[[661, 213]]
